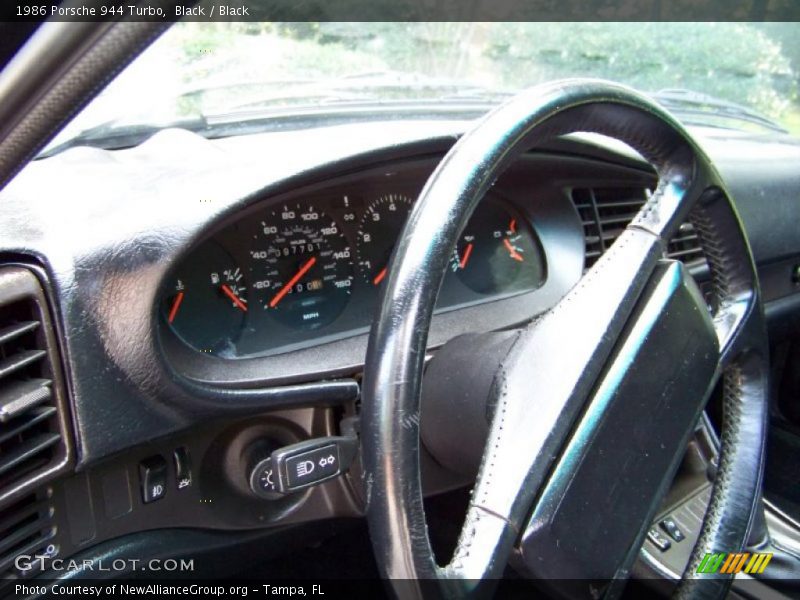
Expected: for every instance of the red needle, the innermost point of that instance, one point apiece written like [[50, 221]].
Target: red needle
[[465, 259], [512, 251], [236, 300], [176, 304], [513, 226], [379, 277], [289, 284]]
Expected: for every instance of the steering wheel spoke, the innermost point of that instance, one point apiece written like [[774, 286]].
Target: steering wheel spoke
[[563, 352]]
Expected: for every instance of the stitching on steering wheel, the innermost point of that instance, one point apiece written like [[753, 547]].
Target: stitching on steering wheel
[[710, 243]]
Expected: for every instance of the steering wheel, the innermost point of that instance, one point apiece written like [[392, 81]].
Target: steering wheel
[[592, 403]]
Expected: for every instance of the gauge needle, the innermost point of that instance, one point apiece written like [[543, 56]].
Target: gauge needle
[[176, 304], [513, 226], [379, 277], [512, 251], [236, 300], [289, 284], [465, 259]]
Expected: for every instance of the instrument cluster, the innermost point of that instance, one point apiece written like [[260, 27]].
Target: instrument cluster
[[309, 269]]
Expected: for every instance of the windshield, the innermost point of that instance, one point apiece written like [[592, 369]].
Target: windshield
[[199, 74]]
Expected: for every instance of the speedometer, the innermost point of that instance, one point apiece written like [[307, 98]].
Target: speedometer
[[302, 269]]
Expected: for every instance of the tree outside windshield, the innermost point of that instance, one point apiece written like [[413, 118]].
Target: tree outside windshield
[[213, 68]]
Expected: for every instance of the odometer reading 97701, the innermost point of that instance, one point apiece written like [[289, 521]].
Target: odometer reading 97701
[[301, 268]]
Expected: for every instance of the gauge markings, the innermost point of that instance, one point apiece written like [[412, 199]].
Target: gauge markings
[[496, 252], [301, 266], [378, 231], [512, 251], [237, 302], [207, 302]]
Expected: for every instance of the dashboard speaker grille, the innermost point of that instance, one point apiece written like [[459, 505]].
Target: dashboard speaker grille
[[33, 438], [605, 213]]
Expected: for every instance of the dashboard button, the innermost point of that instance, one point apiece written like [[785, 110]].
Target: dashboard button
[[672, 529], [153, 478], [183, 468], [658, 539]]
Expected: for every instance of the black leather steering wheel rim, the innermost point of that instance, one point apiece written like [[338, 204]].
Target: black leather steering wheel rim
[[688, 186]]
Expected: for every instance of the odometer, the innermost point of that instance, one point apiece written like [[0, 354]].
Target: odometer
[[302, 269]]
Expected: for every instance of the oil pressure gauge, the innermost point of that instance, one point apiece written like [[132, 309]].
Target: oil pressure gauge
[[497, 251]]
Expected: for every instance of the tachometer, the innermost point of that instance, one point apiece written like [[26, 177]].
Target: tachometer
[[497, 252], [377, 234], [302, 267], [207, 300]]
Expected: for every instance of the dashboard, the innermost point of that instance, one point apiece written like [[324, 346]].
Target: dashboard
[[194, 305], [116, 252], [217, 308], [308, 268]]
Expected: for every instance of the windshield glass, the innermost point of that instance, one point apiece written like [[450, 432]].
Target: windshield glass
[[202, 73]]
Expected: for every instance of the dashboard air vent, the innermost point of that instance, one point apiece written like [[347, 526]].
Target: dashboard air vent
[[606, 211], [33, 445], [26, 528]]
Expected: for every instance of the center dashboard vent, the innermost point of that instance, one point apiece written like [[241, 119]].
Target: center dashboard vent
[[605, 213], [33, 423]]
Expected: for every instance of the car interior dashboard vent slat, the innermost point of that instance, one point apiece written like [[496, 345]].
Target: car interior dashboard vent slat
[[34, 441], [605, 212], [17, 329], [22, 396], [27, 527]]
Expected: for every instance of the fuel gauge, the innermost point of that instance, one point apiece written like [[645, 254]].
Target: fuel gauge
[[206, 302]]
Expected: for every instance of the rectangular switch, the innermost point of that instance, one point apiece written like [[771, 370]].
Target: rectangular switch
[[183, 468], [153, 478]]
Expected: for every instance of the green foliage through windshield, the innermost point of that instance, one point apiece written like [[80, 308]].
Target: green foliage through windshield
[[217, 68]]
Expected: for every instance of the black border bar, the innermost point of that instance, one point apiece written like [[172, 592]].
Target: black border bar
[[27, 11]]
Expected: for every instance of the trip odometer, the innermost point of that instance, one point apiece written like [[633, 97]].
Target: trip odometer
[[302, 269]]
